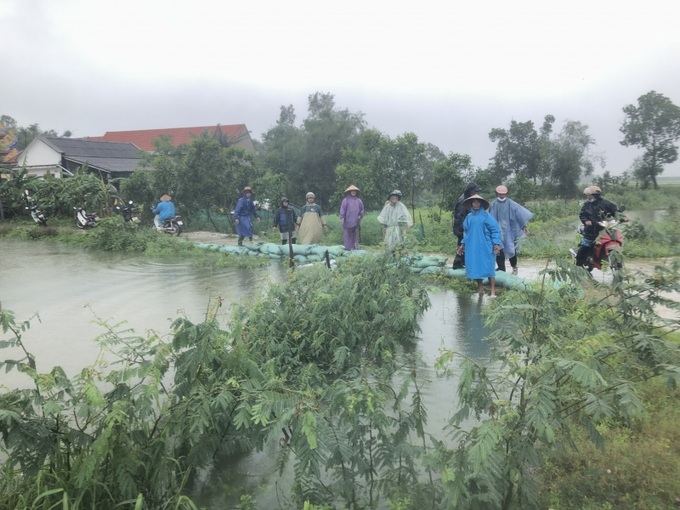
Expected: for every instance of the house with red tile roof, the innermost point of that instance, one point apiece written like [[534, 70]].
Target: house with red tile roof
[[235, 134]]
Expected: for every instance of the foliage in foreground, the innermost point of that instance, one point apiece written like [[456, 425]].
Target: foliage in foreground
[[137, 424], [640, 467], [323, 366], [566, 363]]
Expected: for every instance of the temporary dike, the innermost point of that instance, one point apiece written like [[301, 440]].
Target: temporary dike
[[304, 254]]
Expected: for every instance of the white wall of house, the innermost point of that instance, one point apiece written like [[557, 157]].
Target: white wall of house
[[40, 159], [38, 153]]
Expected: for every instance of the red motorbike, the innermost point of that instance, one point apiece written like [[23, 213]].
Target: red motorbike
[[608, 246]]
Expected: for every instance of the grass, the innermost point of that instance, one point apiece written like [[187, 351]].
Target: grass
[[639, 469], [114, 235]]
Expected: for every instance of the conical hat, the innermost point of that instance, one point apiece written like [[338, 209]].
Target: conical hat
[[352, 188], [468, 201]]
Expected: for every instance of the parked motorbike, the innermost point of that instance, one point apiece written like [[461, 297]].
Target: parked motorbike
[[36, 213], [85, 219], [128, 212], [607, 247]]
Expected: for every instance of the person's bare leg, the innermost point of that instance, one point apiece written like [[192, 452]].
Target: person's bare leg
[[492, 283], [480, 287]]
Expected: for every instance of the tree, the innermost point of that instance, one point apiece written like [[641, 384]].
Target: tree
[[25, 135], [282, 147], [450, 177], [545, 148], [517, 151], [654, 125], [410, 164], [571, 158], [369, 165], [328, 132]]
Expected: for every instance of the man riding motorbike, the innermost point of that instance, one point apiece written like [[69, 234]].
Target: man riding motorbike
[[594, 210], [163, 211]]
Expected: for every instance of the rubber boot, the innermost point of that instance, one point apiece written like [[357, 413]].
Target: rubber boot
[[582, 255]]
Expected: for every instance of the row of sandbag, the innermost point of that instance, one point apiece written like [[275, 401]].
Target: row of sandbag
[[302, 253], [310, 253]]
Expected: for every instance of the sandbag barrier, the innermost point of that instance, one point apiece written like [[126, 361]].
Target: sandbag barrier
[[310, 253]]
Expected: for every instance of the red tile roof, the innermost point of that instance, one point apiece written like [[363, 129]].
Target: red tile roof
[[237, 134]]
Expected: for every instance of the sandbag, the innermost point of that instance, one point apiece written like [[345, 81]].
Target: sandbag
[[353, 253], [318, 250], [426, 261], [230, 249], [336, 251], [302, 249], [434, 270], [274, 249]]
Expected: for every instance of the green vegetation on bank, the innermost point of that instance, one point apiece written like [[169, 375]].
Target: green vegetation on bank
[[551, 233], [328, 356]]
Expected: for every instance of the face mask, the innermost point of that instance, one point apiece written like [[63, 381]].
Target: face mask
[[502, 199], [590, 199]]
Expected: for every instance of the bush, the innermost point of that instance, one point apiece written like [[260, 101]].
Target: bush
[[639, 467]]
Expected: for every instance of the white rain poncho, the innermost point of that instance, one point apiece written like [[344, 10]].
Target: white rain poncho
[[394, 217]]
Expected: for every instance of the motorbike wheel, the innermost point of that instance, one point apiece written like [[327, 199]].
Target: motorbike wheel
[[615, 262], [173, 229]]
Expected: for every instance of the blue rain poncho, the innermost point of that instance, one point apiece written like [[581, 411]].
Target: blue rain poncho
[[511, 218], [481, 233]]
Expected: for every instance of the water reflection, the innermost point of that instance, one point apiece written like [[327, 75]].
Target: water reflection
[[453, 322], [72, 289]]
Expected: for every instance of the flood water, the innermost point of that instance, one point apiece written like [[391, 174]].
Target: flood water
[[71, 290]]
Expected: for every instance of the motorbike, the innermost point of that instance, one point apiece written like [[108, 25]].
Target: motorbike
[[173, 226], [128, 212], [85, 219], [607, 247], [36, 213]]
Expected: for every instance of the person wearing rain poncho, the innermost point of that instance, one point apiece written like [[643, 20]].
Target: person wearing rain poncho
[[481, 243], [311, 222], [351, 214], [512, 219], [245, 208], [395, 220]]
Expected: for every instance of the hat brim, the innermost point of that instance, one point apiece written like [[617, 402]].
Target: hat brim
[[468, 201]]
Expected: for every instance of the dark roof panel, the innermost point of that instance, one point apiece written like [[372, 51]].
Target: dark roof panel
[[76, 147], [110, 165]]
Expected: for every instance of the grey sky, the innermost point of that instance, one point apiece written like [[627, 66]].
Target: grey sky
[[449, 71]]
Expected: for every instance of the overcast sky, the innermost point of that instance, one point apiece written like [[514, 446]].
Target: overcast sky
[[446, 70]]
